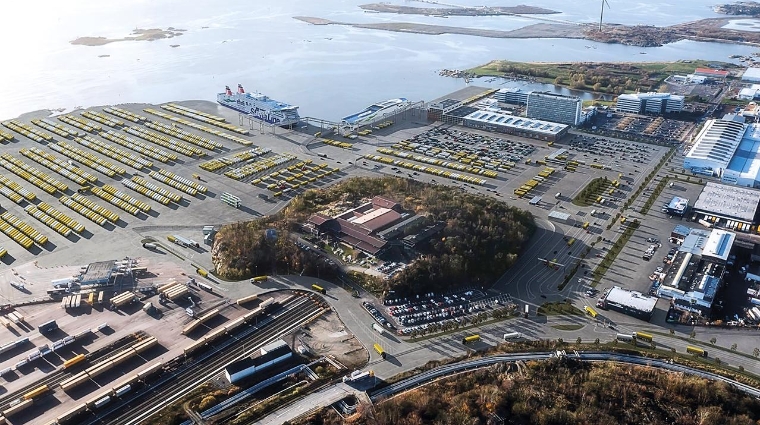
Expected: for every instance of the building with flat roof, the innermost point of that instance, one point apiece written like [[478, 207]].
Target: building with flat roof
[[559, 216], [716, 74], [679, 233], [697, 270], [752, 75], [519, 126], [715, 145], [512, 95], [632, 303], [649, 103], [744, 167], [724, 203], [678, 206], [270, 355], [436, 110], [99, 273], [554, 107]]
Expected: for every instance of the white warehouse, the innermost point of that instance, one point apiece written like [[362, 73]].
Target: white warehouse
[[715, 145], [649, 103]]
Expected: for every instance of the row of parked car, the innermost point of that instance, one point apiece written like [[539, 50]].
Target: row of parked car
[[430, 308], [379, 318]]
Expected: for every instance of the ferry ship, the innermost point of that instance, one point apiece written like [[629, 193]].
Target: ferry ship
[[375, 112], [259, 106]]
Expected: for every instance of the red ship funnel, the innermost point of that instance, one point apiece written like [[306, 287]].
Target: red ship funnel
[[227, 90], [240, 88]]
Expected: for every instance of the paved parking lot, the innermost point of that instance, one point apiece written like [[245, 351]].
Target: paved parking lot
[[644, 126]]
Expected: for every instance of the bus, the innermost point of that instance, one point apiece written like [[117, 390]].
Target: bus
[[259, 279], [205, 287], [642, 336], [590, 311], [526, 311], [511, 335], [380, 351], [470, 339], [319, 289], [624, 337], [696, 351]]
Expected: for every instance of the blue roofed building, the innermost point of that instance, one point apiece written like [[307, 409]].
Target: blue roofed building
[[678, 206], [744, 167]]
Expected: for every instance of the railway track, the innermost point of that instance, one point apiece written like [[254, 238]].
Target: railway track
[[151, 399], [54, 378]]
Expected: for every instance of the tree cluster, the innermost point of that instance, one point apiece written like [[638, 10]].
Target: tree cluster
[[562, 393]]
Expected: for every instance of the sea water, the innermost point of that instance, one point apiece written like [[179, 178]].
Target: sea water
[[329, 71]]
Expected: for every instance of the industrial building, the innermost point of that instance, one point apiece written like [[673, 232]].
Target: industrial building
[[270, 355], [697, 269], [714, 74], [749, 93], [650, 103], [554, 107], [715, 145], [721, 205], [519, 126], [368, 227], [560, 217], [751, 75], [628, 302], [677, 206], [437, 110], [512, 95]]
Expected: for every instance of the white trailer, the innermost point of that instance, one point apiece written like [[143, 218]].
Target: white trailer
[[511, 335], [378, 328]]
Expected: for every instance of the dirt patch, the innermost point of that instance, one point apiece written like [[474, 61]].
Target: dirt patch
[[327, 336]]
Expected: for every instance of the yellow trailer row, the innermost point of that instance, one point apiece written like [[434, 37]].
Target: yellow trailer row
[[200, 342], [139, 147], [174, 106], [84, 154], [463, 157], [126, 198], [51, 128], [163, 192], [219, 163], [80, 123], [115, 201], [103, 119], [74, 360], [201, 127], [111, 152], [179, 179], [338, 144], [27, 176], [108, 214], [26, 194], [13, 196], [161, 140], [259, 166], [204, 118], [124, 114], [35, 172], [47, 220], [26, 229], [436, 161], [63, 218], [177, 185], [5, 137], [161, 199], [88, 126], [54, 167], [184, 135], [86, 212], [137, 158], [425, 169], [16, 235], [28, 131], [63, 150], [72, 131], [16, 407], [199, 321]]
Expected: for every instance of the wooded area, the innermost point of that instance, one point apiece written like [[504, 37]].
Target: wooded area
[[481, 239]]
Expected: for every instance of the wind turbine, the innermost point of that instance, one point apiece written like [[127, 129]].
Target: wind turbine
[[601, 16]]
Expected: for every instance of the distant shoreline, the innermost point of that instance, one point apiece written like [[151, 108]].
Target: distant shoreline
[[705, 30], [138, 34]]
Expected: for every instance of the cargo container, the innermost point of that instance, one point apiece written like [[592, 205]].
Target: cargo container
[[123, 390], [47, 327], [379, 329]]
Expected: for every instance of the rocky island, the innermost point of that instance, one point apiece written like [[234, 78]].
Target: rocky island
[[739, 8], [138, 34], [457, 11]]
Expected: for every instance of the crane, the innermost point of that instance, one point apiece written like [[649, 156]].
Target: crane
[[601, 16]]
